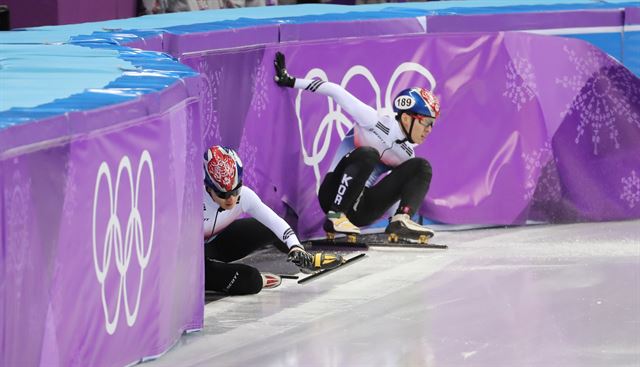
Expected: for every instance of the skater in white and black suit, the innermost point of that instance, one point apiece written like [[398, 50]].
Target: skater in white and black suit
[[228, 238], [353, 193]]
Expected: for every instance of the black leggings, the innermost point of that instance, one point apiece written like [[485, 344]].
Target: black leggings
[[408, 183], [238, 240]]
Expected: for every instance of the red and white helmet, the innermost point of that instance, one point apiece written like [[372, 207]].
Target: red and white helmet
[[222, 170]]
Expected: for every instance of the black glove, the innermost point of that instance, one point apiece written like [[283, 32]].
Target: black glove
[[309, 263], [300, 257], [282, 76]]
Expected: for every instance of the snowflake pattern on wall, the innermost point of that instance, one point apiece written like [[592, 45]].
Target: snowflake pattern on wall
[[607, 95], [194, 169], [70, 191], [210, 90], [549, 188], [247, 153], [631, 189], [259, 89], [17, 217], [521, 84], [173, 160], [17, 230], [538, 161]]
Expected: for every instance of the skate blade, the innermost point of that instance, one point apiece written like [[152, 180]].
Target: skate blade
[[319, 273], [349, 237], [399, 239]]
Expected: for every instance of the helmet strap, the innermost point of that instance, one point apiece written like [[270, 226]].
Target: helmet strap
[[404, 130], [413, 122]]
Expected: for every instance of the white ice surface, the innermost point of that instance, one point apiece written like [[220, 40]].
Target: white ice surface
[[548, 295]]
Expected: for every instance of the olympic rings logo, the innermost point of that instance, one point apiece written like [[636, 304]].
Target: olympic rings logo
[[121, 248], [322, 138]]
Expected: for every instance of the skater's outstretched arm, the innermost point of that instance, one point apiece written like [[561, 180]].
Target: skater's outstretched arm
[[265, 215], [363, 114], [297, 254]]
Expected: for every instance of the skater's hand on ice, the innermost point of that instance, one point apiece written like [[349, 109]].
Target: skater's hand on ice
[[300, 257], [313, 262], [282, 76]]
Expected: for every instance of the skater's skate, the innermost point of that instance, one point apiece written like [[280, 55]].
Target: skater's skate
[[270, 280], [337, 222], [402, 227], [311, 263]]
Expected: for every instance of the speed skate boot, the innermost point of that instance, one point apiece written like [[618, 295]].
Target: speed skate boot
[[311, 262], [402, 227], [323, 260], [338, 222], [270, 280]]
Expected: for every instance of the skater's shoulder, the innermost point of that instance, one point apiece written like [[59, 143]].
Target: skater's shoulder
[[385, 118], [248, 191], [248, 197]]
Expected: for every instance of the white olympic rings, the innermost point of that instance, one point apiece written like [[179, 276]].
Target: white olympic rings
[[114, 242]]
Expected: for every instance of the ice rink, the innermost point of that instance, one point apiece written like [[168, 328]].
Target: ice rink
[[546, 295]]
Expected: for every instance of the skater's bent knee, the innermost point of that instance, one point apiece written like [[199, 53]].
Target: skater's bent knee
[[247, 280], [367, 153], [421, 166]]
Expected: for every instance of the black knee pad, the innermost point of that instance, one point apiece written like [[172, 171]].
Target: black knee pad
[[248, 281], [360, 162], [420, 166], [366, 154], [234, 279]]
